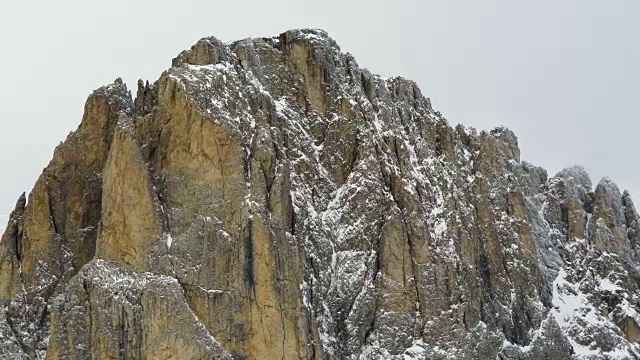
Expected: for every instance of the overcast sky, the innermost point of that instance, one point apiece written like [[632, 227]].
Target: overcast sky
[[562, 74]]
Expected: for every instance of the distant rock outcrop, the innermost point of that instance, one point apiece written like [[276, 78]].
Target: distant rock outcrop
[[269, 199]]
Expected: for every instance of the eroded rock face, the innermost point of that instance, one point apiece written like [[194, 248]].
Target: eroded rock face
[[269, 199]]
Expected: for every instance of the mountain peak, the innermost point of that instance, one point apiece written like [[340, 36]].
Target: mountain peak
[[268, 198]]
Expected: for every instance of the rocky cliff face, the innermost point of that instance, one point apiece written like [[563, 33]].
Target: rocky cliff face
[[269, 199]]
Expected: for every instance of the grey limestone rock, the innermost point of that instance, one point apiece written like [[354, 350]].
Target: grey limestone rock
[[270, 199]]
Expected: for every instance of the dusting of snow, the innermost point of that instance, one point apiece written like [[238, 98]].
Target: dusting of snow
[[607, 285], [576, 315], [169, 240]]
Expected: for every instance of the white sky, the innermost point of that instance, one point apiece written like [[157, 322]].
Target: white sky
[[562, 74]]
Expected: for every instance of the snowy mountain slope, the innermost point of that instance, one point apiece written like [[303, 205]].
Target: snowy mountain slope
[[268, 198]]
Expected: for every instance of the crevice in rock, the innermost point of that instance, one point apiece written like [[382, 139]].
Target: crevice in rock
[[396, 151], [52, 218], [353, 157], [310, 309], [412, 253], [284, 333], [90, 311], [464, 320], [372, 325], [248, 266], [293, 216], [367, 87], [18, 338], [485, 272]]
